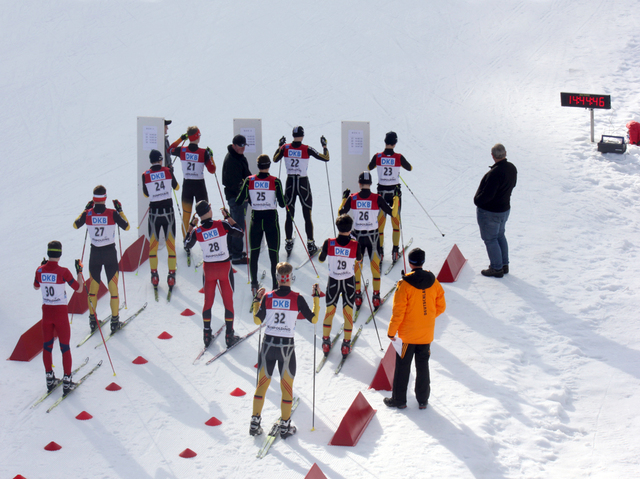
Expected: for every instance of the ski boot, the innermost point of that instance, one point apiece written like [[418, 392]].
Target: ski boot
[[375, 299], [207, 337], [115, 324], [286, 429], [230, 338], [395, 254], [358, 299], [255, 429], [51, 380], [67, 385], [93, 322], [155, 279], [171, 279], [311, 247], [326, 345], [390, 402], [288, 246], [346, 348]]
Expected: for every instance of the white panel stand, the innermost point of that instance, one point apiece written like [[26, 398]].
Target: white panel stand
[[252, 131], [150, 137], [355, 153]]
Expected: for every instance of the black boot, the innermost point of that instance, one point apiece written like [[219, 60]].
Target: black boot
[[52, 382]]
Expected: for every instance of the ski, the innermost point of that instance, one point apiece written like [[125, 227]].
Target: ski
[[309, 258], [169, 294], [188, 257], [393, 263], [58, 383], [124, 323], [275, 432], [155, 293], [382, 301], [242, 338], [213, 338], [353, 343], [102, 323], [337, 336], [82, 379]]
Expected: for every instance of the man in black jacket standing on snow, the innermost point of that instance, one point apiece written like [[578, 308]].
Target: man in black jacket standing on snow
[[234, 170], [493, 206]]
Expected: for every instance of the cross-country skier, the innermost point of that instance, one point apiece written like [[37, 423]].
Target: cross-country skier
[[157, 183], [296, 160], [365, 207], [212, 237], [50, 279], [265, 195], [342, 254], [387, 165], [278, 310], [101, 224]]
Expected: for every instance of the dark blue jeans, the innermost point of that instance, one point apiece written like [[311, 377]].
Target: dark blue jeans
[[492, 226], [237, 212]]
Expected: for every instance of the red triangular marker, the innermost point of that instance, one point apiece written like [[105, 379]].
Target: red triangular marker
[[256, 366], [187, 453], [201, 290], [19, 476], [52, 446], [214, 421], [187, 312], [238, 392], [113, 387], [315, 473], [165, 335], [139, 360], [83, 416]]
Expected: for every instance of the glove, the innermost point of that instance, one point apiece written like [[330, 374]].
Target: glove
[[392, 338], [194, 221], [184, 137], [117, 206], [225, 213], [78, 266], [346, 193], [397, 191], [283, 140], [44, 261], [316, 290], [323, 141], [89, 206]]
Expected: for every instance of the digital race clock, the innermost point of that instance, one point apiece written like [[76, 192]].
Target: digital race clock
[[585, 100]]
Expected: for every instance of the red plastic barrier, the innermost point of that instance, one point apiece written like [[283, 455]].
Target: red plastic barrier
[[354, 422], [79, 302], [30, 344], [452, 266], [131, 257], [383, 379]]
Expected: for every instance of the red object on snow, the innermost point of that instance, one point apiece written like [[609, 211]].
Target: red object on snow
[[238, 392], [452, 266], [201, 290], [131, 257], [214, 421], [83, 416], [354, 422], [30, 344], [256, 366], [383, 379], [113, 387], [187, 453], [139, 360], [315, 473], [52, 446], [187, 312], [19, 476], [634, 132], [165, 335]]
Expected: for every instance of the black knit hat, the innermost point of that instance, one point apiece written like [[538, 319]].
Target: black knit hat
[[54, 249], [202, 208], [364, 178], [298, 131], [391, 138], [155, 156], [416, 257]]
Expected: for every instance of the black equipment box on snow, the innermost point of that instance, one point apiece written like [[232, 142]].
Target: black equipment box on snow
[[612, 144]]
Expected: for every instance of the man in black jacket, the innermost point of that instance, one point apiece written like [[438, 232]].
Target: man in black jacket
[[234, 170], [493, 206]]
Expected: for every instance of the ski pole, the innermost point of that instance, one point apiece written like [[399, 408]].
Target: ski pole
[[246, 243], [179, 215], [333, 219], [373, 315], [313, 410], [404, 261], [143, 217], [300, 236], [102, 335], [144, 242], [434, 223], [86, 232], [124, 288]]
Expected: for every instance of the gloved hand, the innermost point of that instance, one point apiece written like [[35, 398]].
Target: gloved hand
[[184, 137], [323, 141], [392, 338], [117, 206], [194, 221], [316, 290], [78, 266], [346, 193], [89, 206], [225, 213], [44, 261], [282, 141], [397, 191]]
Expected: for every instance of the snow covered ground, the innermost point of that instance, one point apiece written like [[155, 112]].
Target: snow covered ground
[[534, 375]]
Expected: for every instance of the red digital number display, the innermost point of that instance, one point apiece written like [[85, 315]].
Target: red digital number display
[[585, 100]]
